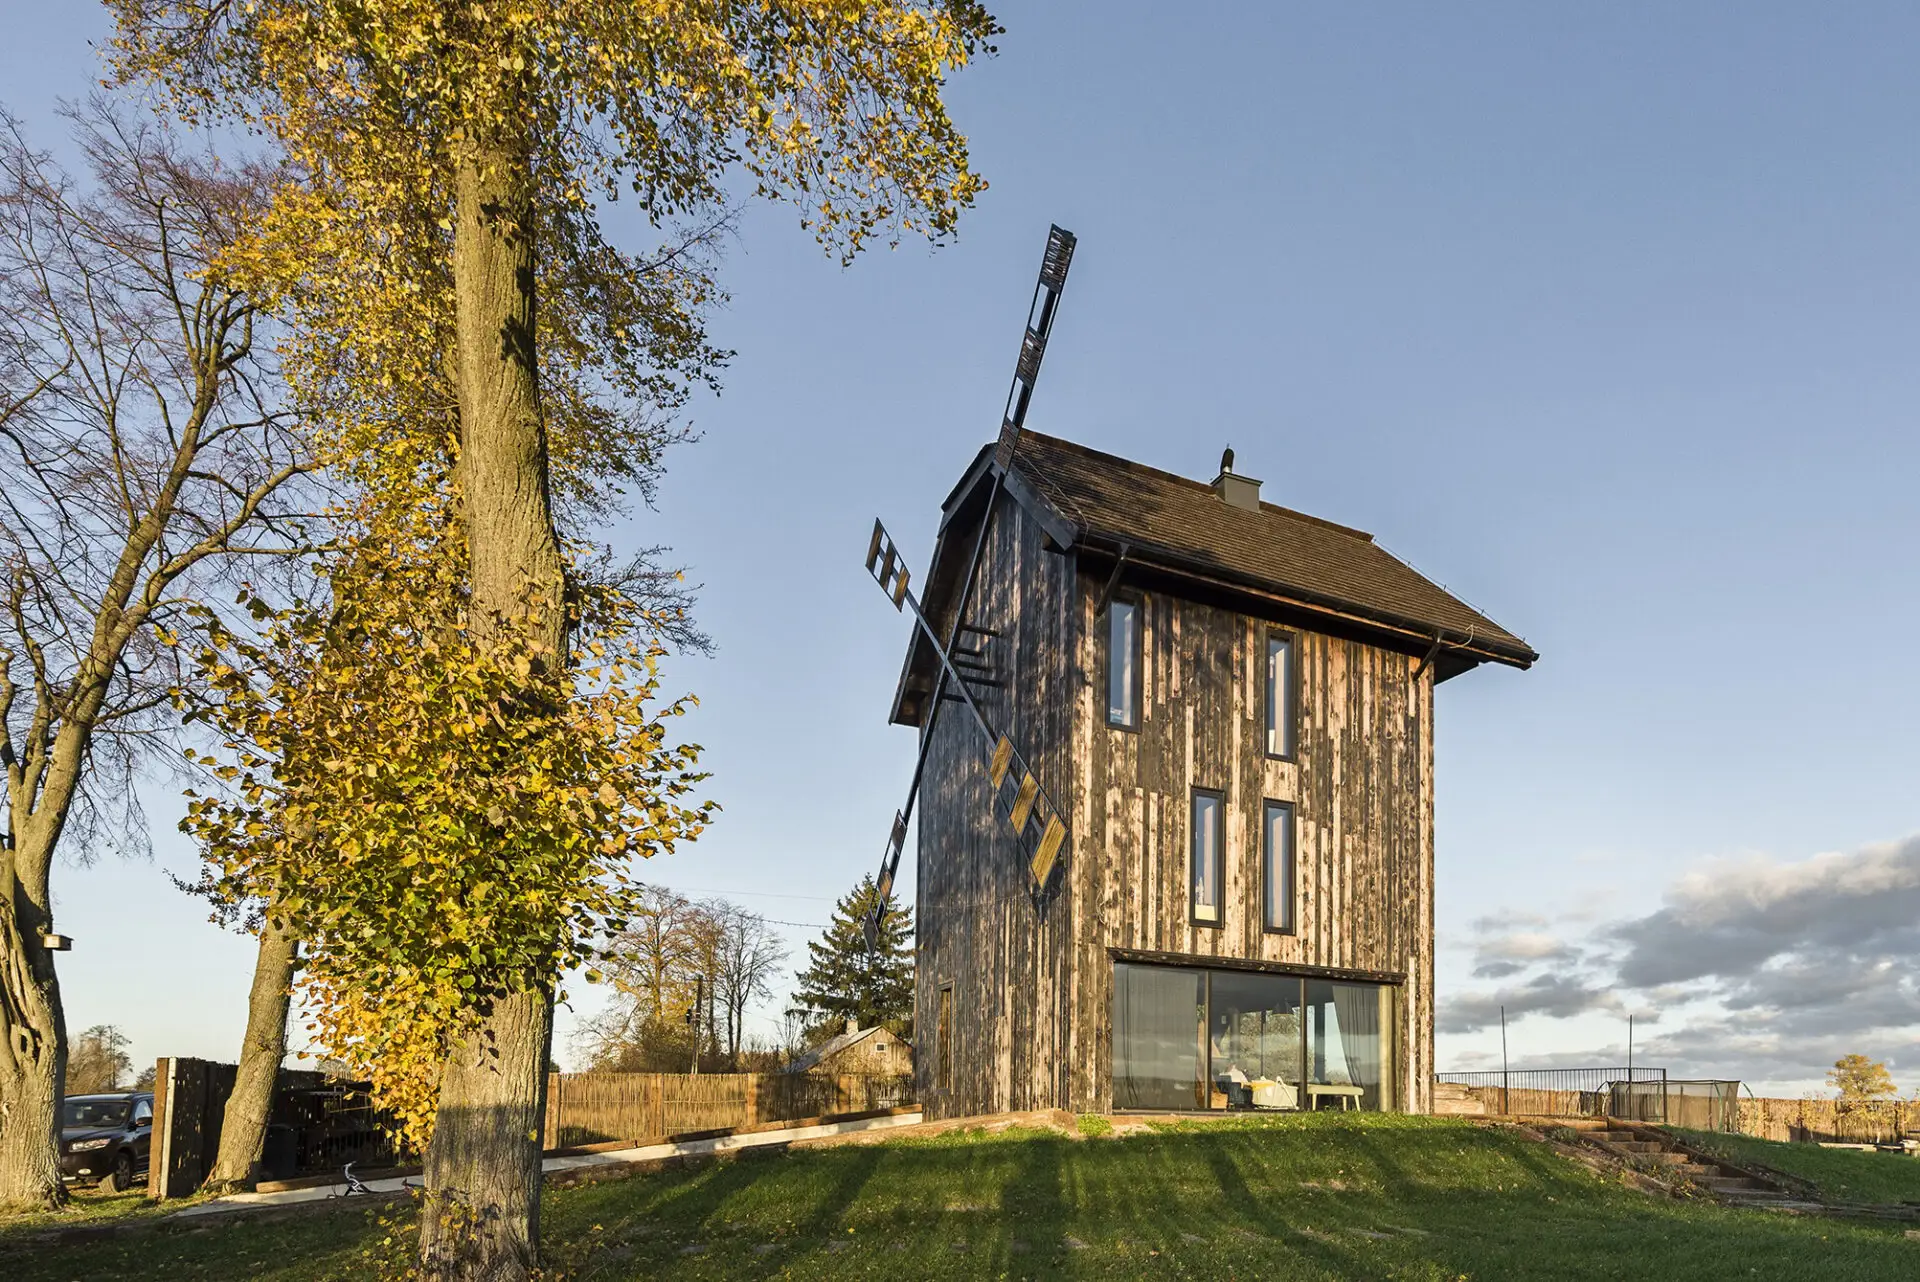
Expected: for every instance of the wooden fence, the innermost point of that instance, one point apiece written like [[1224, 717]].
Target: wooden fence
[[1804, 1120], [1829, 1121], [597, 1108], [189, 1098]]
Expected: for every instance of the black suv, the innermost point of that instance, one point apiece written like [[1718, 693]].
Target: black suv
[[105, 1138]]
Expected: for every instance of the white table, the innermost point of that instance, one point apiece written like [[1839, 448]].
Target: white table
[[1349, 1096]]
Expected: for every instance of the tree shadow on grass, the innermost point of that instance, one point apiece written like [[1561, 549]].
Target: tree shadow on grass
[[691, 1208], [1262, 1213], [1033, 1213]]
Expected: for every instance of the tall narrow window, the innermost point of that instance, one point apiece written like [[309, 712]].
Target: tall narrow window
[[1123, 664], [1209, 848], [1276, 867], [943, 1051], [1280, 687]]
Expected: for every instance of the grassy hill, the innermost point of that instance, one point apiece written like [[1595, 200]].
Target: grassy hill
[[1325, 1196], [1838, 1174]]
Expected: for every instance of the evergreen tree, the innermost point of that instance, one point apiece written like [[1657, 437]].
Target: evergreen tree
[[846, 981]]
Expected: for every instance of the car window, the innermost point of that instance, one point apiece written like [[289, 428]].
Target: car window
[[94, 1112], [142, 1111]]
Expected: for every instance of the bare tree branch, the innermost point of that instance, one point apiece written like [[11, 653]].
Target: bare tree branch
[[144, 453]]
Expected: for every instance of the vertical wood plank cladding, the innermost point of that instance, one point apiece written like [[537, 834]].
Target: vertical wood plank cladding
[[1361, 783], [1012, 965], [1032, 1013]]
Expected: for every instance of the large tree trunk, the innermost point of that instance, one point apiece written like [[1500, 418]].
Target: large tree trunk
[[482, 1214], [33, 1041], [243, 1126]]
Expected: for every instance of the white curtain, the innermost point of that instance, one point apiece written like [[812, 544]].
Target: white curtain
[[1357, 1006], [1156, 1037]]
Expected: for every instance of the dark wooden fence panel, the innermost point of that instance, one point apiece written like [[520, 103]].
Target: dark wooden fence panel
[[317, 1124], [190, 1095]]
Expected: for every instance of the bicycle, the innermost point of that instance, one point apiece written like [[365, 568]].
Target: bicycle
[[356, 1185]]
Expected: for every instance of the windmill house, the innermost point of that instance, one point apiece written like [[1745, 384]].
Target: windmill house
[[1175, 842]]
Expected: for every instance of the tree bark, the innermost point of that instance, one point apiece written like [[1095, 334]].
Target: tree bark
[[481, 1220], [33, 1045], [243, 1125]]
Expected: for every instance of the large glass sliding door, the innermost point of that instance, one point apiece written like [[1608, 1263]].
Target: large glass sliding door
[[1347, 1046], [1191, 1038], [1253, 1042]]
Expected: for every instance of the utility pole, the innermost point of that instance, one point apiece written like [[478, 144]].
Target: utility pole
[[693, 1019], [1505, 1078]]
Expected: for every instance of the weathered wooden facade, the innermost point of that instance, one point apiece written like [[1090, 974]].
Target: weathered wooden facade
[[1232, 704]]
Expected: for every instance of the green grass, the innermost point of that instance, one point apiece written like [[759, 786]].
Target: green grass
[[1839, 1174], [87, 1204], [1321, 1196]]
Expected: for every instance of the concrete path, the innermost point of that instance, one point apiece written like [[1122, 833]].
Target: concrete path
[[575, 1162]]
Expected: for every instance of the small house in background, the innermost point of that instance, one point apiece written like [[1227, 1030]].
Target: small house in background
[[870, 1051], [1229, 706]]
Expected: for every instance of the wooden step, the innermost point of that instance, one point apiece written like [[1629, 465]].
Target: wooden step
[[1634, 1146], [1733, 1184]]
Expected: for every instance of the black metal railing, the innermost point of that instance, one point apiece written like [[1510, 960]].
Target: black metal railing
[[1638, 1093]]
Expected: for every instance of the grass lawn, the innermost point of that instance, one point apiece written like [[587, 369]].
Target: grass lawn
[[87, 1205], [1840, 1174], [1324, 1196]]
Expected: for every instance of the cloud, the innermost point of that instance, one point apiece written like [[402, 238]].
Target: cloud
[[1553, 995], [1732, 917], [1769, 970], [1515, 951]]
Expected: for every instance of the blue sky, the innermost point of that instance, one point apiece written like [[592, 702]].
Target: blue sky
[[1603, 316]]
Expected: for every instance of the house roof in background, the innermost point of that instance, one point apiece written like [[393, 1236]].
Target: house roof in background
[[833, 1046]]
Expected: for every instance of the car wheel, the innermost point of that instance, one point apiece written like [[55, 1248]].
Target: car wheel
[[122, 1178]]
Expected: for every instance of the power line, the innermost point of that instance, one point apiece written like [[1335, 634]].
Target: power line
[[767, 894]]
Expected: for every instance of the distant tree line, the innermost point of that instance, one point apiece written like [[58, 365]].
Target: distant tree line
[[685, 972]]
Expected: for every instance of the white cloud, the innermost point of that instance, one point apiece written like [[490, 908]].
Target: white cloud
[[1768, 969]]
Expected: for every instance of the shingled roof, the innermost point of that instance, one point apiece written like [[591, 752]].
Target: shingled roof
[[1097, 502]]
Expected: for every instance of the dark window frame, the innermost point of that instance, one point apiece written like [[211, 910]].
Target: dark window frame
[[1291, 713], [943, 1031], [1292, 888], [1219, 857], [1137, 696]]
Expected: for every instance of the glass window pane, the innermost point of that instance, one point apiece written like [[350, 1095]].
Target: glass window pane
[[1346, 1046], [1279, 695], [1123, 663], [1206, 857], [1253, 1041], [1157, 1014], [1276, 869]]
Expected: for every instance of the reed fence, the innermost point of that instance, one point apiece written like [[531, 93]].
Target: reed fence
[[644, 1108], [1830, 1121]]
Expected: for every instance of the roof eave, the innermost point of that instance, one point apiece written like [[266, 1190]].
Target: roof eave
[[1413, 632]]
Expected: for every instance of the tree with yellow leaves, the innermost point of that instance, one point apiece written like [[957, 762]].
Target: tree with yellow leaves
[[457, 161], [1858, 1080]]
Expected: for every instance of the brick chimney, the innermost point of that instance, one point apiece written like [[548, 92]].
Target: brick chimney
[[853, 1023], [1236, 490]]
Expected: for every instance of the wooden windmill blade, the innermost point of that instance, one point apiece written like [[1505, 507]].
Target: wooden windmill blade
[[1054, 262], [1017, 795]]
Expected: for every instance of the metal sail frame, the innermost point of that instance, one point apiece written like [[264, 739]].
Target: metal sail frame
[[1017, 793]]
